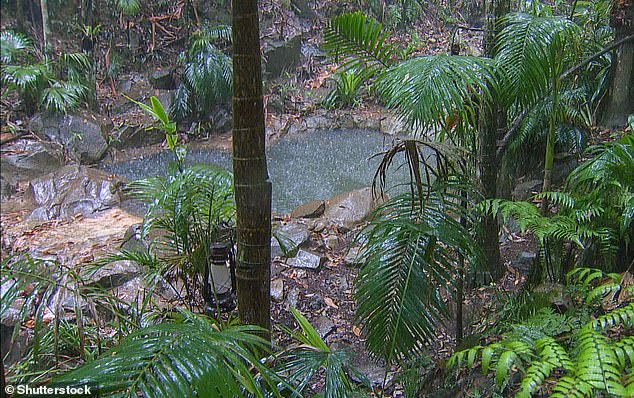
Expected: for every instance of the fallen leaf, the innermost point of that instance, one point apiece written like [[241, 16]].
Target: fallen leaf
[[330, 303], [356, 330]]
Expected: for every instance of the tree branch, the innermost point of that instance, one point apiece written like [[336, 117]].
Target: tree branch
[[595, 56], [516, 124]]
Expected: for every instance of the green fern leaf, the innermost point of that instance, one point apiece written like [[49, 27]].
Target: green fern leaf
[[570, 387]]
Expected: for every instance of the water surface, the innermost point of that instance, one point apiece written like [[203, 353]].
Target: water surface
[[315, 165]]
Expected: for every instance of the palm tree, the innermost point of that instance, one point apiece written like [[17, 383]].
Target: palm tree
[[251, 179]]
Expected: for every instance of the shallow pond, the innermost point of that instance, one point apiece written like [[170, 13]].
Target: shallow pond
[[315, 165]]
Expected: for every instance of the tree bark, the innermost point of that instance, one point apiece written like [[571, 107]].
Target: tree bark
[[620, 101], [493, 121], [251, 180]]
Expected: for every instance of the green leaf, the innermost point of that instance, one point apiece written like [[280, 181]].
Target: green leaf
[[159, 111]]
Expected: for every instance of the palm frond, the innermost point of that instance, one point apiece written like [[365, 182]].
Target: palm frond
[[13, 46], [62, 97], [409, 255], [437, 92], [360, 43], [151, 362], [301, 363], [533, 51], [129, 7], [26, 77]]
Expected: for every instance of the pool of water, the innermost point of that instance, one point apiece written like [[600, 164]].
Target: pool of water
[[315, 165]]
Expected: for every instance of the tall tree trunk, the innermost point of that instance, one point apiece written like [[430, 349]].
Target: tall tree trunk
[[46, 28], [493, 121], [252, 184], [620, 101]]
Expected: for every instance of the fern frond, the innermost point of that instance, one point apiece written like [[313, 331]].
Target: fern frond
[[597, 364], [571, 387], [13, 45], [624, 351], [620, 316]]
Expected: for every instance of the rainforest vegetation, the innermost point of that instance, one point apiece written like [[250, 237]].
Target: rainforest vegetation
[[460, 287]]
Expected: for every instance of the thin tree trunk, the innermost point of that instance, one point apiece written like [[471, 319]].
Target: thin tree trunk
[[252, 184], [46, 28]]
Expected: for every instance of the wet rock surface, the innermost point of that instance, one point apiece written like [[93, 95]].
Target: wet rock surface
[[306, 259], [71, 191], [29, 159], [82, 136], [350, 209]]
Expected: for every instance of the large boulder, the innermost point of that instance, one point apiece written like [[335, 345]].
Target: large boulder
[[83, 136], [309, 210], [73, 190], [350, 209], [283, 56], [29, 159]]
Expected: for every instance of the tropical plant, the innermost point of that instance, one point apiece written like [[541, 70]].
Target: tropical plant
[[35, 294], [555, 353], [345, 92], [188, 210], [189, 356], [413, 256], [299, 364], [207, 75], [56, 86], [594, 214]]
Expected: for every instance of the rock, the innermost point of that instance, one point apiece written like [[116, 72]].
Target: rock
[[305, 259], [332, 242], [7, 188], [31, 159], [309, 210], [283, 56], [73, 190], [293, 297], [373, 372], [320, 226], [324, 326], [352, 257], [163, 79], [304, 9], [114, 274], [288, 239], [315, 302], [350, 209], [525, 190], [342, 283], [83, 136], [132, 136], [524, 262], [564, 163], [277, 290]]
